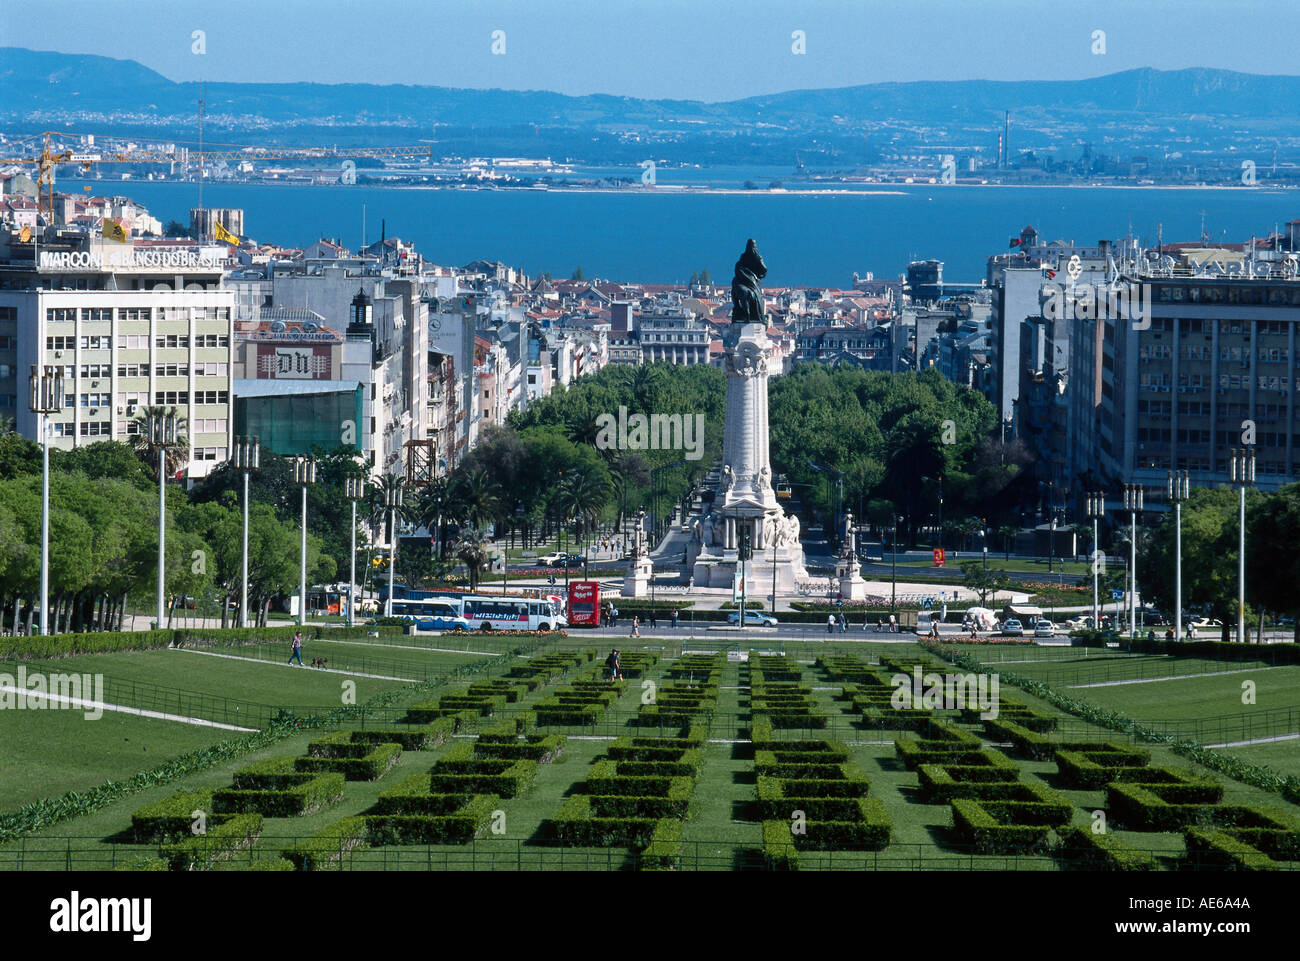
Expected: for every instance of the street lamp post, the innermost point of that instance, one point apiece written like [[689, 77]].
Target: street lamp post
[[247, 459], [1096, 508], [893, 569], [1176, 488], [354, 490], [304, 473], [393, 498], [46, 399], [163, 433], [1242, 468], [1132, 504]]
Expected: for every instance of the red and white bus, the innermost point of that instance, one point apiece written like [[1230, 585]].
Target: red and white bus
[[584, 603]]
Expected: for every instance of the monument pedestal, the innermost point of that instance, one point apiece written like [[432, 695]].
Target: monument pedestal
[[747, 504], [636, 583], [851, 584]]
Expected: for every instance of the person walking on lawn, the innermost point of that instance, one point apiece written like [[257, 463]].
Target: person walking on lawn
[[297, 649]]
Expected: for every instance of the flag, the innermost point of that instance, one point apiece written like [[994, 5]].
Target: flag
[[112, 230], [1015, 242], [223, 235], [1051, 274], [25, 235]]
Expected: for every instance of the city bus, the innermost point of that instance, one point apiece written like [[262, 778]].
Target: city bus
[[497, 612], [486, 611], [430, 614], [584, 603]]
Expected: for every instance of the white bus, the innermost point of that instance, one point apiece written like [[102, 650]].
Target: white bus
[[431, 614], [488, 612]]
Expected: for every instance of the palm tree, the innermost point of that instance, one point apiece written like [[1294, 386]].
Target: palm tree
[[1008, 534], [472, 548], [433, 508], [478, 498], [147, 446], [582, 496]]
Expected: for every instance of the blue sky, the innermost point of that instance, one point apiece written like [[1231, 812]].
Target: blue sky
[[697, 49]]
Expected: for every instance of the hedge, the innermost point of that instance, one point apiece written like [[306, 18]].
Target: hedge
[[456, 773], [169, 817], [868, 831], [1081, 847], [1096, 769], [1256, 775], [1172, 807], [325, 848], [306, 798], [779, 852], [464, 824], [664, 852], [221, 842], [1217, 848], [577, 824], [412, 737], [780, 799], [371, 767], [542, 748]]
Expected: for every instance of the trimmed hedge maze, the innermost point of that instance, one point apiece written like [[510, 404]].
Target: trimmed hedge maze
[[581, 703], [779, 698], [811, 798]]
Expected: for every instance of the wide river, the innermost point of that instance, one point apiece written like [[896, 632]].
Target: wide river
[[662, 236]]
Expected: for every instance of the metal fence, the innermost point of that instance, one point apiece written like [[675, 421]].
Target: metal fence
[[79, 853]]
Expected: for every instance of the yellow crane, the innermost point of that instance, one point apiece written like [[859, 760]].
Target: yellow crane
[[49, 157]]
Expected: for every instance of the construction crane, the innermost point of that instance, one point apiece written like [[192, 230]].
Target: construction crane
[[45, 162], [48, 158]]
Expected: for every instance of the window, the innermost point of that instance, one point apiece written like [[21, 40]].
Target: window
[[211, 369], [96, 428], [210, 397], [96, 313], [60, 314], [8, 343], [96, 400], [171, 397], [135, 313], [211, 340], [171, 370], [96, 342], [96, 371], [171, 341], [61, 343], [134, 342]]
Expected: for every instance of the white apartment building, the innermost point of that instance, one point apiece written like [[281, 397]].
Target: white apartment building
[[130, 327]]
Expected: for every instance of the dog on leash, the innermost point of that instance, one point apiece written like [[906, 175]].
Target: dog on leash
[[319, 662]]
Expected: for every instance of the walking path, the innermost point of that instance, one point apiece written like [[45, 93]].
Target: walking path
[[323, 670], [87, 704], [1175, 677]]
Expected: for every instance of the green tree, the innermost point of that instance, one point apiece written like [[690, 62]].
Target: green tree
[[983, 582]]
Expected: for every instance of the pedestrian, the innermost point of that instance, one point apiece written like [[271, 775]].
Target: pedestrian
[[893, 624], [636, 626], [865, 619], [844, 623], [674, 619], [611, 665], [654, 619], [830, 623], [297, 649]]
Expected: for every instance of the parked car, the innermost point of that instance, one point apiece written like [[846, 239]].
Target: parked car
[[1044, 628], [757, 618], [1081, 623], [552, 560], [1012, 627], [574, 560]]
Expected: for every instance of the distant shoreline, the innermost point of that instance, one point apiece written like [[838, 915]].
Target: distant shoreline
[[687, 190]]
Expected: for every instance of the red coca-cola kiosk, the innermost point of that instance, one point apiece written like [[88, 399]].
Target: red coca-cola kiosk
[[584, 604]]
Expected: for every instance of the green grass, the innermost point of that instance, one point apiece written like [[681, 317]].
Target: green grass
[[245, 680], [1194, 698], [1281, 756], [49, 752]]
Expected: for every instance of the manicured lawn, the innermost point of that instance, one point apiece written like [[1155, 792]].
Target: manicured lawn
[[49, 752]]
